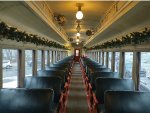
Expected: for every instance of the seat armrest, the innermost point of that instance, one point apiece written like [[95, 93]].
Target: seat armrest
[[61, 98], [62, 103], [90, 86], [95, 104], [66, 86], [95, 99]]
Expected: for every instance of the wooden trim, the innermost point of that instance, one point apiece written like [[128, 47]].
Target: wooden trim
[[60, 55], [136, 69], [56, 57], [43, 60], [98, 53], [144, 47], [12, 44], [121, 64], [99, 57], [107, 59], [1, 69], [52, 57], [34, 60], [21, 68], [103, 58], [48, 57], [113, 62]]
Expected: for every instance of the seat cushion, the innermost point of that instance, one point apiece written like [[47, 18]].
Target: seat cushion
[[26, 100]]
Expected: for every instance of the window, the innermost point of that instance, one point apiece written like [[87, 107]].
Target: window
[[39, 58], [28, 63], [50, 56], [128, 64], [77, 52], [104, 58], [109, 59], [145, 72], [117, 60], [10, 68]]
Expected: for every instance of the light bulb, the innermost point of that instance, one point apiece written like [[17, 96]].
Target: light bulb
[[79, 15], [78, 34], [77, 43]]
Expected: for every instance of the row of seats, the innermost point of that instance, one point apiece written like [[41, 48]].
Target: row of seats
[[107, 93], [42, 93]]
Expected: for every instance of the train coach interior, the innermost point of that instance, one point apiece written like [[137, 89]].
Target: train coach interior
[[75, 56]]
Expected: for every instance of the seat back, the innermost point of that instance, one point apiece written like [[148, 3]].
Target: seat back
[[97, 74], [51, 73], [99, 70], [26, 100], [45, 82], [115, 84], [102, 69], [65, 71], [127, 102]]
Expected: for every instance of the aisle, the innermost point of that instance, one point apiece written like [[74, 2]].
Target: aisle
[[77, 102]]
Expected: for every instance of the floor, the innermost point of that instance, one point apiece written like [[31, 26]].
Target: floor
[[77, 101]]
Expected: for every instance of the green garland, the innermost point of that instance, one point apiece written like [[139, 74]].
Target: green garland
[[133, 38], [12, 33]]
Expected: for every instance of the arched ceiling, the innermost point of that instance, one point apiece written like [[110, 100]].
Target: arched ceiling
[[20, 15], [37, 17], [92, 11], [135, 19]]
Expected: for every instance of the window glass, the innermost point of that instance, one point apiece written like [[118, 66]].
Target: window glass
[[145, 72], [109, 59], [117, 60], [50, 56], [28, 63], [10, 68], [128, 64], [58, 54], [54, 57], [77, 52], [39, 58], [104, 58]]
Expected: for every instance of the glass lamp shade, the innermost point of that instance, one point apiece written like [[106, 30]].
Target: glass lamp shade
[[79, 15], [78, 34]]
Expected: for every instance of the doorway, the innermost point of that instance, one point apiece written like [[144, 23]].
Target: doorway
[[77, 55]]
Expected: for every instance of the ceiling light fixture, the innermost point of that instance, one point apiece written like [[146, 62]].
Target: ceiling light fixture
[[77, 43], [77, 40], [78, 28], [79, 14], [78, 34]]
